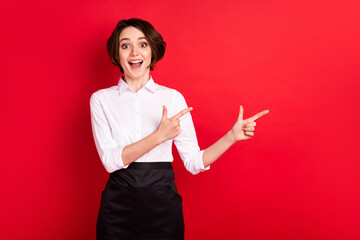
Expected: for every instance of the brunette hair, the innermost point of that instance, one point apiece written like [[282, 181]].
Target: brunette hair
[[154, 39]]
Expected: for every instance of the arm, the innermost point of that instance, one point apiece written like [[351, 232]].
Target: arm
[[212, 153], [187, 144], [116, 157], [109, 151], [242, 130], [135, 150], [168, 129]]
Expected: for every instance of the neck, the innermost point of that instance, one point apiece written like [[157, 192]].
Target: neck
[[137, 83]]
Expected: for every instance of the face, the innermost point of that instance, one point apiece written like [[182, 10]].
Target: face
[[134, 53]]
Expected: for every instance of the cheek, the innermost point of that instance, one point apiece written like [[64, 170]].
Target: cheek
[[122, 58], [148, 55]]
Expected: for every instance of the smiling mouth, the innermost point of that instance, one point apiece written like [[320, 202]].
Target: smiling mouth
[[136, 63]]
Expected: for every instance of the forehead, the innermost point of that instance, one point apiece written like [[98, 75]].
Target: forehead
[[131, 33]]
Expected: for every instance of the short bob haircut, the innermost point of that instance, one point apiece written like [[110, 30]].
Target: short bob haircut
[[154, 39]]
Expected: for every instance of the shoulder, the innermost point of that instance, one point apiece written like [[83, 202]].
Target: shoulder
[[103, 93], [172, 96], [169, 91]]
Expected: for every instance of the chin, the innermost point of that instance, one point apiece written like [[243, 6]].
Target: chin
[[136, 74]]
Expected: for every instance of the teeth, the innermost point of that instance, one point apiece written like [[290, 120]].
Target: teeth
[[139, 61]]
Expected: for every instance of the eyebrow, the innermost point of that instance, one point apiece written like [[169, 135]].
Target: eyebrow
[[129, 38]]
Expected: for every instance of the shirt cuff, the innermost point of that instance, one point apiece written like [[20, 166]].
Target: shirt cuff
[[201, 164], [121, 160]]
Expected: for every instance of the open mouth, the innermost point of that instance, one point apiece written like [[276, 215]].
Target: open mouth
[[136, 63]]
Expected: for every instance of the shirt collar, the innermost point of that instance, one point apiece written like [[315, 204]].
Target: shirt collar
[[150, 85]]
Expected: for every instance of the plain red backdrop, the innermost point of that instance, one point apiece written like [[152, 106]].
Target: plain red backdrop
[[298, 178]]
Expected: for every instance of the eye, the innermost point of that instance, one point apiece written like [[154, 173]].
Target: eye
[[144, 44], [124, 46]]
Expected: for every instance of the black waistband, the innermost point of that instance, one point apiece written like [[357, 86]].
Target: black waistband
[[150, 165]]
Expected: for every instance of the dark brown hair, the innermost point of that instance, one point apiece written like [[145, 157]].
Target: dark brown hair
[[154, 39]]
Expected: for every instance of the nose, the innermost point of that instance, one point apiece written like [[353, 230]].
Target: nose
[[134, 51]]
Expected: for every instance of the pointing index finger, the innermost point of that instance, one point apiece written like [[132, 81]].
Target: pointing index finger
[[256, 116], [181, 113]]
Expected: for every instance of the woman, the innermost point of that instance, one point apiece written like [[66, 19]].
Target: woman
[[134, 124]]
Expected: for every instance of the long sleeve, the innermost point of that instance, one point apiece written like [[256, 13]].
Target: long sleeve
[[187, 144], [108, 150]]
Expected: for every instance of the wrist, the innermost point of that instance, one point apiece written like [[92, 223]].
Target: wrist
[[158, 138], [231, 137]]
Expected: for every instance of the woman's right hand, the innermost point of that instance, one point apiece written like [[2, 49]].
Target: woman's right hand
[[169, 128]]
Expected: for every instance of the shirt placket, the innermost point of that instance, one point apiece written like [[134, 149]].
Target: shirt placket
[[137, 118]]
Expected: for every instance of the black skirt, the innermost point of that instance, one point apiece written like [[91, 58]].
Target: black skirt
[[141, 202]]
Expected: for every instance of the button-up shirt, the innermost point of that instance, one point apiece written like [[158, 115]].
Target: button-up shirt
[[121, 116]]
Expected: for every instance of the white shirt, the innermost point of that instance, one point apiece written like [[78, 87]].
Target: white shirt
[[120, 116]]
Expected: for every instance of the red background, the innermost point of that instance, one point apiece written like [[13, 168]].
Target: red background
[[298, 178]]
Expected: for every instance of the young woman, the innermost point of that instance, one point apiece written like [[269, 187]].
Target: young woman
[[134, 125]]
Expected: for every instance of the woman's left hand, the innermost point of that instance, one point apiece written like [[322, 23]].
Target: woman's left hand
[[244, 129]]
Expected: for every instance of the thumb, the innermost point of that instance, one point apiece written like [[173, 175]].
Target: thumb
[[241, 113], [164, 114]]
